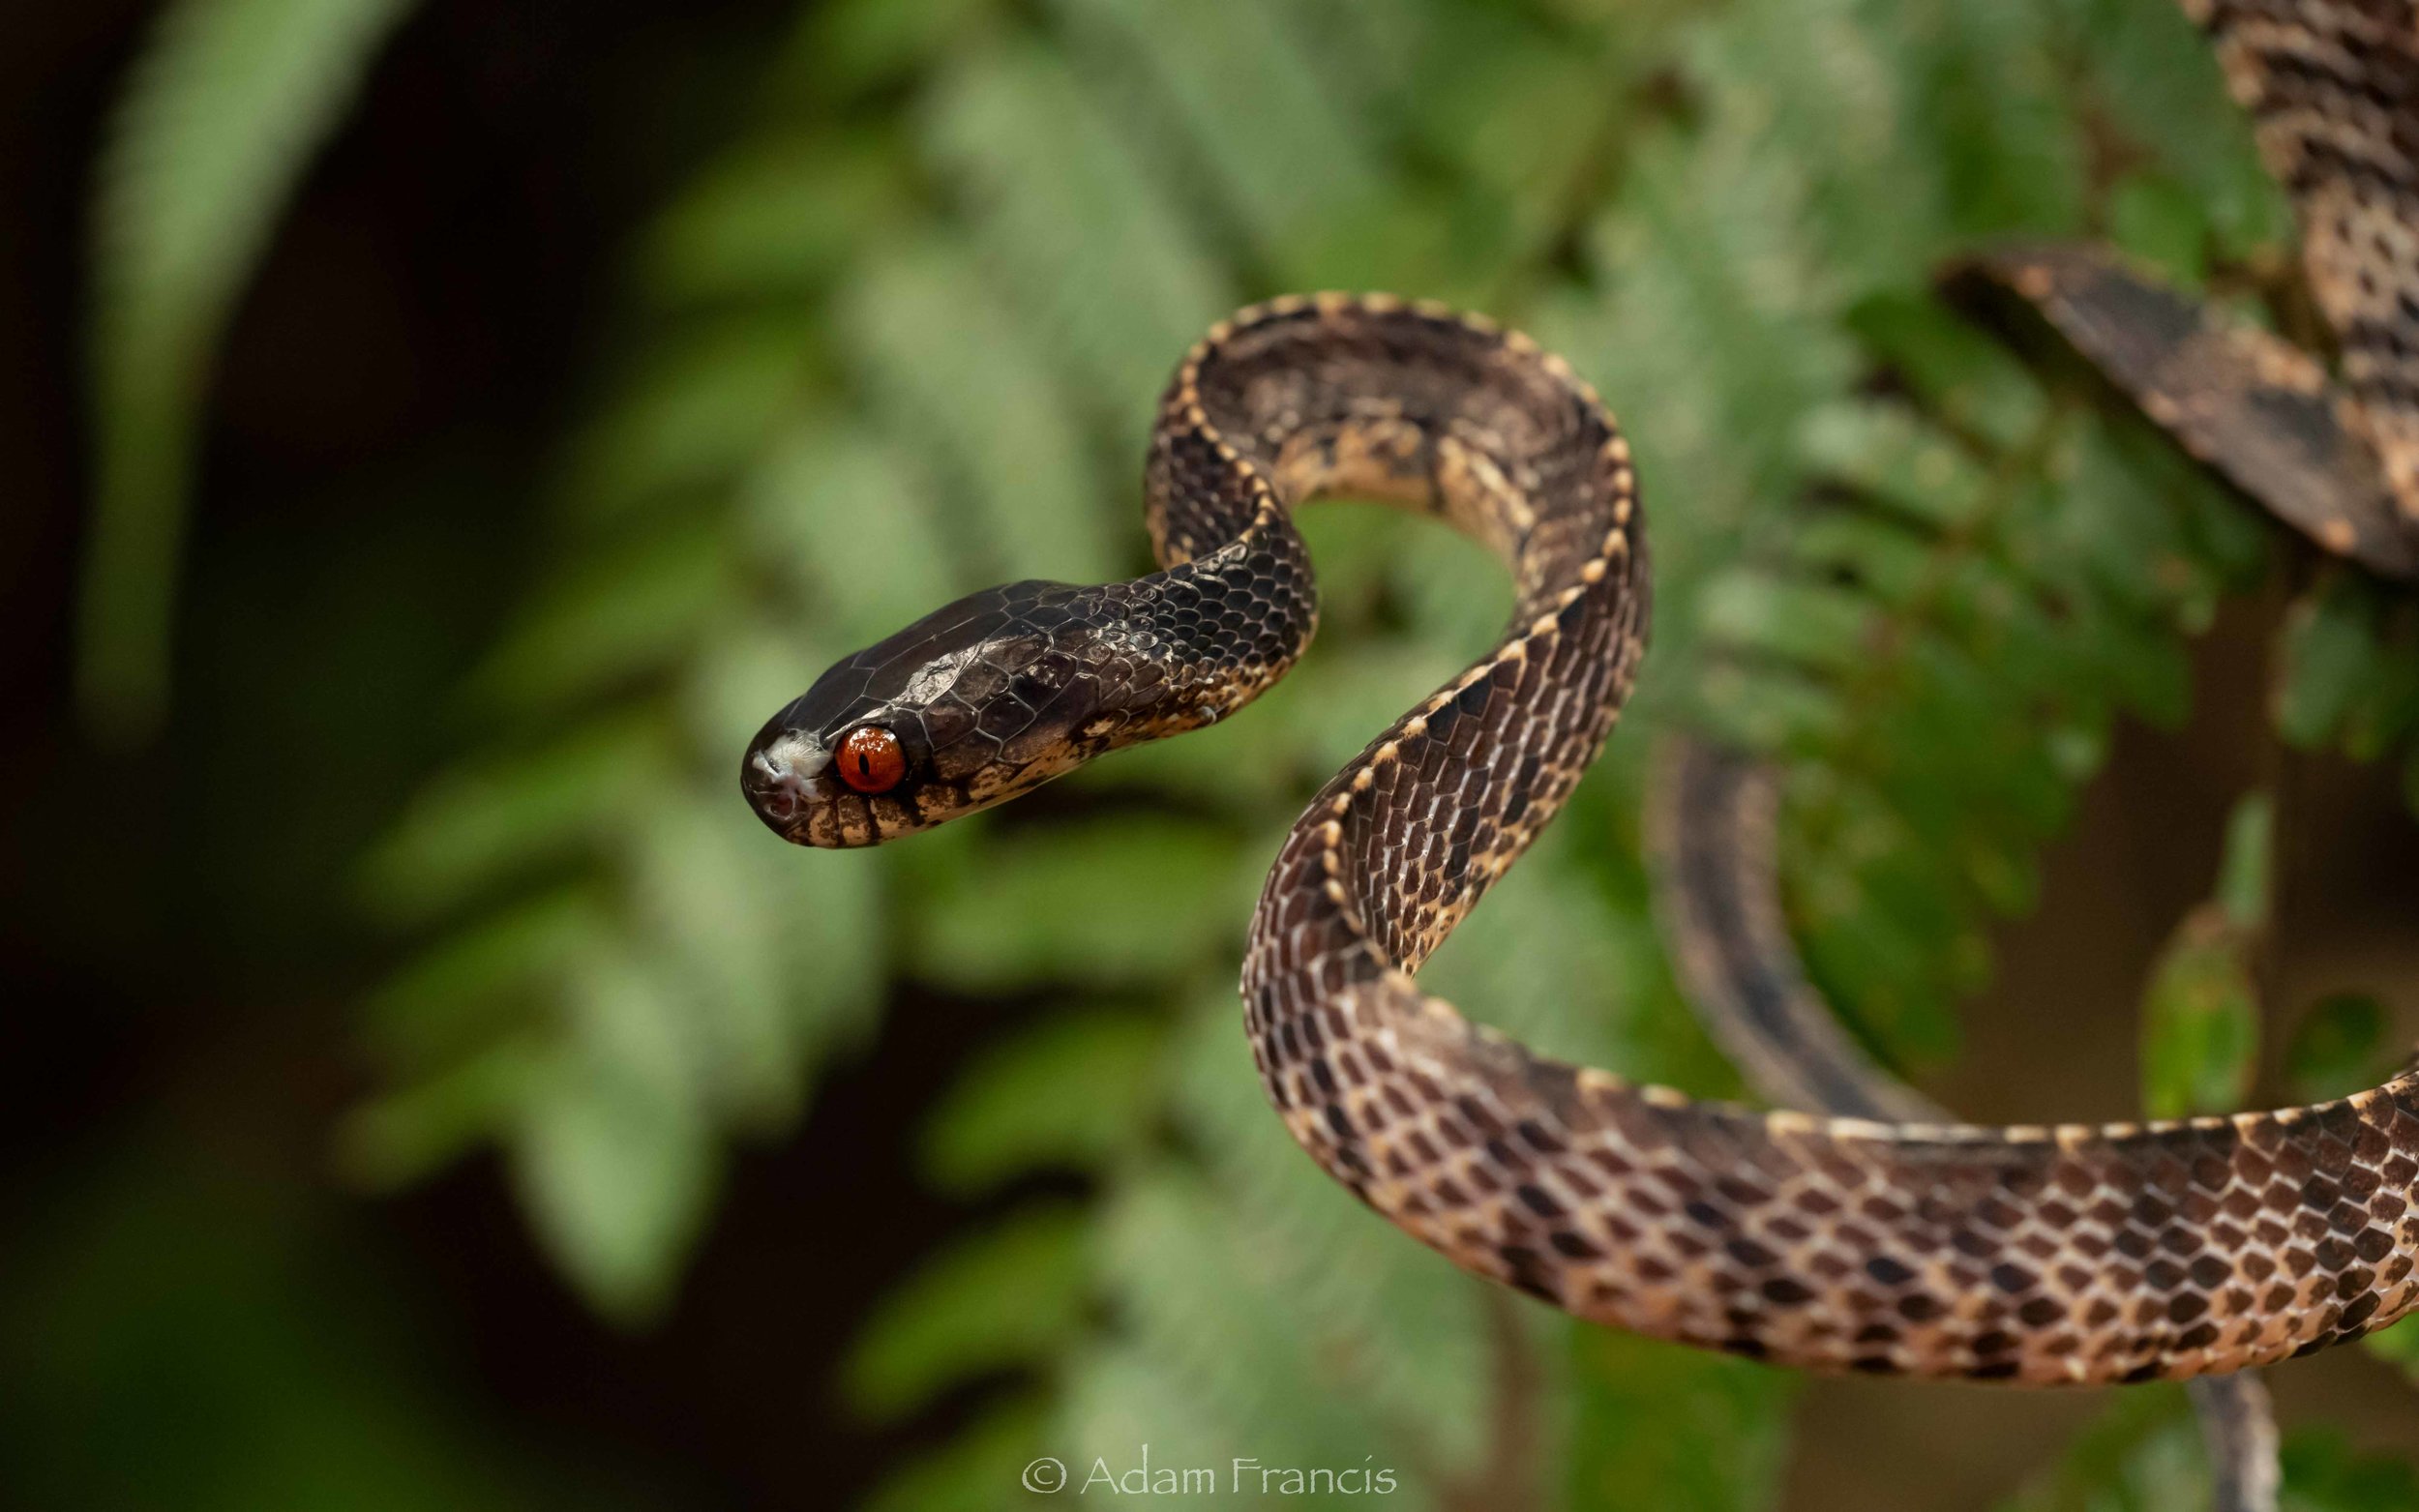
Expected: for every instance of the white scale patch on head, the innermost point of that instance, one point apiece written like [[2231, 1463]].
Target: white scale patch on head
[[933, 681], [800, 754]]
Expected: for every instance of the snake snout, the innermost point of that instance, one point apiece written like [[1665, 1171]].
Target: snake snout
[[780, 777]]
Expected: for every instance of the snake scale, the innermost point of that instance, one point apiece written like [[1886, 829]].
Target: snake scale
[[2037, 1254], [1712, 842]]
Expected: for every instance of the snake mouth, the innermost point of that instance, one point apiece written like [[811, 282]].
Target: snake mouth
[[786, 780]]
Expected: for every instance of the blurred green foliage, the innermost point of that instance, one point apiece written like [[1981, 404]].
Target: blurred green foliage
[[2352, 674], [219, 121], [174, 1339], [2145, 1455], [2201, 1020], [901, 338]]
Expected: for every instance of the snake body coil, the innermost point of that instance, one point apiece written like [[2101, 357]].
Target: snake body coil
[[1711, 842], [2073, 1253]]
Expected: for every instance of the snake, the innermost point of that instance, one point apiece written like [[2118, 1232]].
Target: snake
[[1711, 845], [2073, 1254], [2329, 91], [1895, 1242]]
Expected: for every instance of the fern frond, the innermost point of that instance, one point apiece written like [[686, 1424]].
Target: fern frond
[[611, 1152], [2200, 1017], [1234, 91], [1011, 1112], [1085, 234], [952, 371], [222, 113], [2350, 673], [1002, 1299]]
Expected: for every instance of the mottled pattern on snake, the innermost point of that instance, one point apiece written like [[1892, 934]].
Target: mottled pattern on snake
[[1712, 847], [2332, 87], [2041, 1255], [2330, 90], [2258, 410], [2333, 91]]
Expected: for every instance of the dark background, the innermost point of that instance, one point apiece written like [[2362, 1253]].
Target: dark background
[[178, 948], [175, 930]]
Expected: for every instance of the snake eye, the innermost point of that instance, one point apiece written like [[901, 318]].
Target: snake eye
[[870, 760]]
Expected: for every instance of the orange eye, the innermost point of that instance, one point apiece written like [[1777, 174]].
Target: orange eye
[[870, 760]]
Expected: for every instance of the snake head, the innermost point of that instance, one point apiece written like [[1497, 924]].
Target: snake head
[[971, 706]]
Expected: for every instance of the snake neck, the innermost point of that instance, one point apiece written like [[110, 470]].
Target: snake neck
[[1449, 417], [1443, 415]]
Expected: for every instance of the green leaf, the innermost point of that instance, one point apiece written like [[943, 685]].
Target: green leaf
[[1891, 458], [1114, 902], [1084, 228], [1547, 958], [224, 109], [414, 1132], [615, 1170], [1770, 709], [485, 981], [2324, 1474], [1007, 1298], [969, 1473], [2200, 1020], [955, 374], [2145, 1455], [695, 415], [776, 216], [776, 951], [2330, 656], [826, 497], [2339, 1048], [848, 48], [2142, 1455], [2150, 75], [1886, 560], [2400, 1344], [1962, 375], [1076, 1091], [2161, 222], [1224, 1306], [1231, 77], [1821, 628], [1989, 94], [2244, 866], [486, 823], [1704, 1431]]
